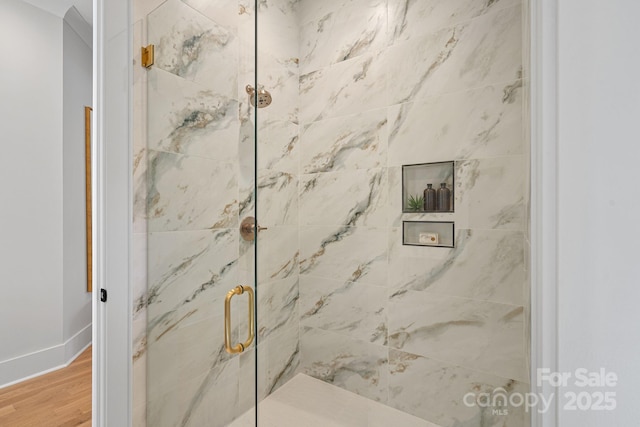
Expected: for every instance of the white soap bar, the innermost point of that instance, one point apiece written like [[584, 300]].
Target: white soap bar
[[428, 238]]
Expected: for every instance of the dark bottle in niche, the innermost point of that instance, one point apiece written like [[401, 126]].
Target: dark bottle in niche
[[444, 198], [430, 198]]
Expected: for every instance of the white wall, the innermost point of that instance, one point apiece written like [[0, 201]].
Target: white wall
[[599, 220], [77, 76], [32, 330], [30, 181]]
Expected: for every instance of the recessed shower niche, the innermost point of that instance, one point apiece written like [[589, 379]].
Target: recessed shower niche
[[428, 187], [428, 233]]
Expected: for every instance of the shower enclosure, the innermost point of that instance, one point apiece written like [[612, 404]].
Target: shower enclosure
[[273, 285]]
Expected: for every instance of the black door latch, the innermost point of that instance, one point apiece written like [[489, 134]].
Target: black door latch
[[103, 295]]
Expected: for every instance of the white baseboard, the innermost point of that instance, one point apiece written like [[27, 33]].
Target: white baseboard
[[21, 368]]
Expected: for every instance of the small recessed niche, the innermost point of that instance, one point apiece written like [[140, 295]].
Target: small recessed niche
[[422, 182], [428, 233]]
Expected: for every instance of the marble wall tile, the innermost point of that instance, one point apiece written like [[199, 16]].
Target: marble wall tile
[[188, 402], [354, 365], [277, 307], [344, 143], [345, 254], [353, 309], [247, 43], [278, 360], [277, 199], [283, 84], [192, 46], [190, 193], [277, 35], [139, 184], [314, 10], [357, 197], [189, 118], [246, 162], [278, 253], [278, 146], [435, 390], [247, 379], [480, 52], [345, 32], [225, 12], [484, 265], [188, 275], [139, 331], [183, 353], [489, 193], [410, 19], [479, 123], [479, 335], [345, 88]]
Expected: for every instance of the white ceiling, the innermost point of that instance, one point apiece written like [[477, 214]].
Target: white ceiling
[[60, 7]]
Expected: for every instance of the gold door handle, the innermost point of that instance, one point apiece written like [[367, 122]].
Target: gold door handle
[[240, 347]]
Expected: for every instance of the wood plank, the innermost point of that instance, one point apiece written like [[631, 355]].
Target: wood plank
[[57, 399]]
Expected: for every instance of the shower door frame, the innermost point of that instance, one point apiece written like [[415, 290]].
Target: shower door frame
[[114, 59]]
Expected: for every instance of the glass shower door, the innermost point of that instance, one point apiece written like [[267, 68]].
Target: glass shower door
[[278, 133], [200, 188]]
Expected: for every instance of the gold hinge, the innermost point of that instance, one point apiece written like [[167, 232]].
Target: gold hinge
[[147, 56]]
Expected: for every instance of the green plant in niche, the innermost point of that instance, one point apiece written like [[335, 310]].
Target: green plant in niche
[[415, 203]]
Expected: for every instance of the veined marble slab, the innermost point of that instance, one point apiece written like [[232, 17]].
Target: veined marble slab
[[140, 180], [352, 309], [489, 193], [484, 265], [225, 12], [481, 52], [478, 123], [191, 193], [277, 199], [357, 197], [348, 87], [189, 274], [192, 46], [345, 254], [345, 143], [278, 253], [278, 361], [410, 19], [346, 31], [277, 307], [278, 34], [435, 391], [189, 118], [188, 402], [354, 365], [278, 146], [283, 84], [479, 335], [184, 353]]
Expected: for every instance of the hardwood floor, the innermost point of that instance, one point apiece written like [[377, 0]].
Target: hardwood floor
[[58, 399]]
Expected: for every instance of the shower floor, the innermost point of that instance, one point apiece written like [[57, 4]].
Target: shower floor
[[308, 402]]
